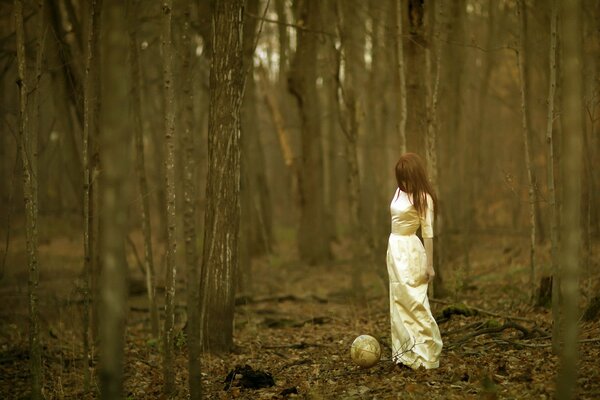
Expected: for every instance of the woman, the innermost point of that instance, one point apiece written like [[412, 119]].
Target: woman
[[416, 339]]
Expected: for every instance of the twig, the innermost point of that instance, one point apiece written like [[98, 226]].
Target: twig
[[295, 26]]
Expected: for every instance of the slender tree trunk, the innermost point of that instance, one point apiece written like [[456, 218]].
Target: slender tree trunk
[[140, 164], [28, 149], [528, 143], [89, 122], [255, 224], [550, 164], [283, 41], [314, 232], [170, 140], [435, 16], [190, 176], [401, 79], [349, 98], [222, 216], [115, 161], [572, 121]]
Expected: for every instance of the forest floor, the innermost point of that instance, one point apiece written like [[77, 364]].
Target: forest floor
[[297, 323]]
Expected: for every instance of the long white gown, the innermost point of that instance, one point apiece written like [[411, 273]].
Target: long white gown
[[416, 339]]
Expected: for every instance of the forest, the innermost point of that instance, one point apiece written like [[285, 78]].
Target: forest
[[195, 196]]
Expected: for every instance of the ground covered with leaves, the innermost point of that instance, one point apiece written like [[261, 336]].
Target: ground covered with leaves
[[296, 325]]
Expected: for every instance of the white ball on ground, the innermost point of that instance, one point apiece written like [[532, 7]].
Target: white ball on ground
[[365, 351]]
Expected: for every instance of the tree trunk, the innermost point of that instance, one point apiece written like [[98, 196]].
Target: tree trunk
[[140, 164], [435, 16], [170, 140], [190, 176], [572, 121], [401, 80], [90, 120], [528, 143], [255, 224], [222, 216], [351, 117], [114, 216], [283, 41], [313, 236], [550, 165], [27, 143]]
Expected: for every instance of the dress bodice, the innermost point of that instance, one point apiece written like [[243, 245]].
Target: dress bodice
[[406, 220]]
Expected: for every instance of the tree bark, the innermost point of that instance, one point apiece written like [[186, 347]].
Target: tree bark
[[435, 16], [528, 143], [401, 79], [222, 216], [90, 120], [313, 236], [27, 143], [190, 176], [572, 121], [140, 165], [170, 140], [351, 116], [114, 216], [255, 224], [550, 165]]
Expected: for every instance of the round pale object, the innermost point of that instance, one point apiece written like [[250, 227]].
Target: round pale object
[[365, 351]]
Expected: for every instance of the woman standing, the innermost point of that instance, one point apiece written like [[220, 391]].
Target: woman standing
[[416, 339]]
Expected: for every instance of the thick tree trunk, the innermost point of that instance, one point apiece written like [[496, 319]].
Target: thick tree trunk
[[170, 142], [528, 143], [313, 236], [27, 143], [572, 121], [114, 216], [222, 216]]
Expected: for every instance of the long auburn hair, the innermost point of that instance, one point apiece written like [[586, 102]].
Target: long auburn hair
[[412, 179]]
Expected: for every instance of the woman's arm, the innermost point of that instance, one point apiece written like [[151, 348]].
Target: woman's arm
[[428, 242]]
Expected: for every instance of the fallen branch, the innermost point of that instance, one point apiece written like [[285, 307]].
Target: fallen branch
[[463, 309], [491, 330], [520, 343], [244, 300]]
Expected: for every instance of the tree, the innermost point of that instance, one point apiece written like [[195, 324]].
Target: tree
[[401, 77], [527, 140], [551, 163], [313, 235], [170, 140], [140, 164], [255, 224], [90, 122], [572, 121], [114, 145], [350, 101], [436, 20], [222, 215], [188, 152], [27, 143]]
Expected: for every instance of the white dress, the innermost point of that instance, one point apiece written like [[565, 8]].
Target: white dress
[[416, 339]]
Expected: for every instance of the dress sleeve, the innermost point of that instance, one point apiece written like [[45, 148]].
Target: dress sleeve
[[427, 220]]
